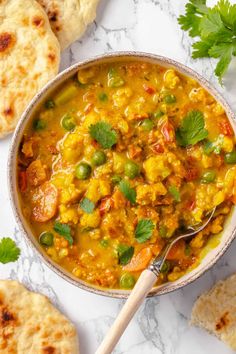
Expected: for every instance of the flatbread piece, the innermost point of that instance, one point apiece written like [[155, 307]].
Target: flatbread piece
[[30, 324], [29, 57], [215, 311], [69, 18]]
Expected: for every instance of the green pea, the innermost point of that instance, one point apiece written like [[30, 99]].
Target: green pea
[[104, 243], [99, 158], [208, 176], [46, 239], [49, 104], [39, 124], [116, 179], [147, 124], [165, 267], [230, 157], [158, 114], [83, 170], [132, 170], [103, 97], [169, 99], [127, 281], [68, 122], [163, 231]]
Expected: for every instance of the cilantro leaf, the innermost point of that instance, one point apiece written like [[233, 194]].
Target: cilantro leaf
[[128, 192], [191, 130], [87, 206], [9, 252], [103, 133], [144, 229], [63, 230], [125, 254], [201, 48], [192, 19], [175, 193], [223, 63]]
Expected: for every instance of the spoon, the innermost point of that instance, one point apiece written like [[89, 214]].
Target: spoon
[[144, 284]]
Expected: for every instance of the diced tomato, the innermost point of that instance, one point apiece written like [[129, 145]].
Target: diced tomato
[[140, 261], [45, 202], [168, 132], [157, 148], [22, 181], [225, 127], [134, 151], [106, 205], [192, 174], [149, 89], [190, 204], [177, 252]]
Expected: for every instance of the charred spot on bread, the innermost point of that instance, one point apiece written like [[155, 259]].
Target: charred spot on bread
[[6, 41]]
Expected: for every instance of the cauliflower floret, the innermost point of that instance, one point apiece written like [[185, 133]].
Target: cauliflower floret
[[228, 144], [156, 168], [91, 118], [90, 220], [68, 214], [148, 194], [197, 95], [71, 147], [121, 96], [171, 80], [97, 189], [119, 161], [68, 191]]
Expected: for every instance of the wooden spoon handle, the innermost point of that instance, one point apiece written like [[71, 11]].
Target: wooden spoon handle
[[144, 284]]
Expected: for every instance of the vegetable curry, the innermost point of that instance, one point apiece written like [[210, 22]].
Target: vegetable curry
[[120, 159]]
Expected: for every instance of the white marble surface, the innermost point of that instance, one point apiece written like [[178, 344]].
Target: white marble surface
[[161, 326]]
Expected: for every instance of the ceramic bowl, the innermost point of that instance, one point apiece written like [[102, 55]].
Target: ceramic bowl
[[210, 258]]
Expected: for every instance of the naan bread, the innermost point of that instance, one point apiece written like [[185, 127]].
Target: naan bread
[[29, 57], [215, 311], [69, 18], [29, 324]]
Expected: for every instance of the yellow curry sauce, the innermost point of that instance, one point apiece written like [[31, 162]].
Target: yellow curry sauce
[[121, 158]]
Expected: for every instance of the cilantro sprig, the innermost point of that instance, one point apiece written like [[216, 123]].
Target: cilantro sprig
[[104, 134], [87, 205], [63, 230], [129, 193], [144, 229], [9, 252], [173, 190], [125, 254], [192, 129], [216, 29]]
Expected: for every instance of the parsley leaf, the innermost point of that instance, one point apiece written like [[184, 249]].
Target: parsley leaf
[[9, 252], [103, 133], [128, 192], [144, 229], [87, 206], [125, 254], [216, 29], [63, 230], [175, 193], [191, 130]]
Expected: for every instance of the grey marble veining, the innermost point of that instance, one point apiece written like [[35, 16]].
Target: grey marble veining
[[161, 326]]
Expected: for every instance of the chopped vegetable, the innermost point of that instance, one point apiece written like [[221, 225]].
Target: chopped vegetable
[[103, 133], [104, 243], [103, 97], [63, 230], [191, 130], [87, 205], [49, 104], [99, 158], [65, 95], [127, 281], [68, 122], [208, 176], [158, 114], [46, 238], [147, 124], [9, 252], [170, 99], [140, 261], [128, 192], [230, 157], [132, 170], [83, 170], [39, 124], [163, 231], [165, 267], [175, 193], [116, 179], [144, 229], [114, 79], [216, 29], [125, 254], [45, 202]]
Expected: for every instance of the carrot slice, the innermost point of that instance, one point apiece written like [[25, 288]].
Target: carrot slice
[[177, 252], [140, 261], [45, 202]]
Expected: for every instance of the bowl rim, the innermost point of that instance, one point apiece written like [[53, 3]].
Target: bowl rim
[[12, 156]]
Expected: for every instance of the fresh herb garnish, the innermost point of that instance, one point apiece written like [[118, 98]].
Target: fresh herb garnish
[[9, 252], [144, 229], [216, 28], [125, 253], [128, 192], [63, 230], [103, 133], [175, 193], [87, 205], [191, 130]]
